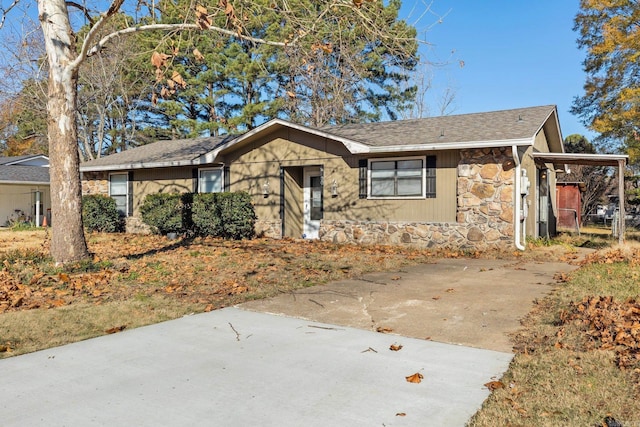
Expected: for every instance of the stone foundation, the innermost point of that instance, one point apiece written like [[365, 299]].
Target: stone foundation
[[421, 235], [270, 229]]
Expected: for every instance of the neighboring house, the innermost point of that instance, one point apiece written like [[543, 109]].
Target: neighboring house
[[465, 181], [24, 189]]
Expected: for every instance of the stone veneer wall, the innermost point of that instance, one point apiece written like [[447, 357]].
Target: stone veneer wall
[[271, 229], [484, 213], [95, 183]]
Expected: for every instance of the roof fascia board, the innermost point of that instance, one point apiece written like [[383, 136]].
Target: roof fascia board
[[25, 182], [353, 146], [581, 156], [141, 165], [26, 159], [453, 145], [557, 125]]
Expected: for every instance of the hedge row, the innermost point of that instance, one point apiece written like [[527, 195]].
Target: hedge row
[[226, 215]]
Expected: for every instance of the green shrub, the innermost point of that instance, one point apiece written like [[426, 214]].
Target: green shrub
[[237, 216], [100, 213], [205, 216], [226, 215], [163, 212]]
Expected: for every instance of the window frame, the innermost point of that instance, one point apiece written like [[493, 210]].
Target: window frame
[[423, 178], [126, 193], [216, 168]]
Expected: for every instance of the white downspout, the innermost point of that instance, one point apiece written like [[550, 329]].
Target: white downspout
[[518, 200]]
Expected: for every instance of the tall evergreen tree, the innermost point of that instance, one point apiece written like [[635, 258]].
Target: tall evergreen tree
[[338, 75]]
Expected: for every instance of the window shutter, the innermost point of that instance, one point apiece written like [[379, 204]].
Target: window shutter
[[194, 180], [282, 199], [130, 193], [362, 184], [431, 177], [226, 176]]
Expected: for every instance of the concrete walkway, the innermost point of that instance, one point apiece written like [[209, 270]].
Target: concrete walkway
[[315, 361]]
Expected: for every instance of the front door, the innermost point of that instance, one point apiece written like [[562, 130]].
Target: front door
[[312, 209]]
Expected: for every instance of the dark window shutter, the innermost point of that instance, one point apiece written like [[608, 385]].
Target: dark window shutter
[[431, 177], [282, 199], [130, 193], [226, 176], [362, 184], [194, 179]]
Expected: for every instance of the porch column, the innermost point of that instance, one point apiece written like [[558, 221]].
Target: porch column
[[621, 224], [37, 219]]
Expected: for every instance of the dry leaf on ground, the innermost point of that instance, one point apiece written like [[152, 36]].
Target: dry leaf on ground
[[415, 378]]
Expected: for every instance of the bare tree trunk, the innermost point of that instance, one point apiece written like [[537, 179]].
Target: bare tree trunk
[[67, 235]]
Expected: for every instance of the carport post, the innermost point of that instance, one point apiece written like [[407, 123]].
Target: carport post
[[621, 164]]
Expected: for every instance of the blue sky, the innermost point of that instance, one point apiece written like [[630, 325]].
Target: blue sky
[[516, 53]]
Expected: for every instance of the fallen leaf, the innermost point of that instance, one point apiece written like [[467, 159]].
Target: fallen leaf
[[436, 298], [415, 378], [450, 290], [396, 278], [401, 414], [208, 308], [494, 385], [395, 347], [383, 330], [116, 329]]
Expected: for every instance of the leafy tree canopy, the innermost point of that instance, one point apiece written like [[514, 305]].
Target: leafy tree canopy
[[610, 34]]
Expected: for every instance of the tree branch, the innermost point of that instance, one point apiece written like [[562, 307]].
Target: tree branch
[[174, 27], [113, 9], [5, 11], [82, 9]]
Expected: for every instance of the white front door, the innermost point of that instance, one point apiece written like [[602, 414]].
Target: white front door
[[312, 209]]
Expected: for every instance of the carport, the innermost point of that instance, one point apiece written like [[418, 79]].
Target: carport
[[619, 160]]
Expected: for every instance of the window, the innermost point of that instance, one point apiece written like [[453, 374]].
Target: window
[[413, 177], [118, 190], [210, 181]]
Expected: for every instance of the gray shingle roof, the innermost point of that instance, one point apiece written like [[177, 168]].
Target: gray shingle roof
[[491, 126], [19, 159], [17, 173], [174, 151]]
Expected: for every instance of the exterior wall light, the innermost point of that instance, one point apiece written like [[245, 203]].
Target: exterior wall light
[[334, 189], [265, 189]]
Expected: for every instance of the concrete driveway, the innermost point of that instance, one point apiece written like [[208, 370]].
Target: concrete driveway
[[472, 302], [319, 362]]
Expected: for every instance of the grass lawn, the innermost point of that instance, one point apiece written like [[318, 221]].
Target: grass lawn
[[577, 357], [137, 280]]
